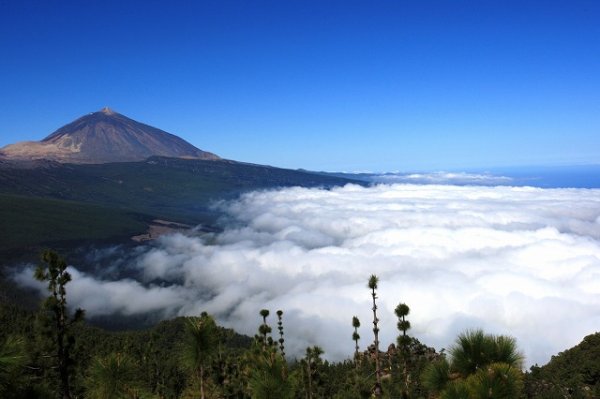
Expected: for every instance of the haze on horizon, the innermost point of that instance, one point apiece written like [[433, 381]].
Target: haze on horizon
[[339, 86]]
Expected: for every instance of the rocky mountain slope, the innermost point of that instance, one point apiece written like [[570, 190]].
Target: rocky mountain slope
[[103, 137]]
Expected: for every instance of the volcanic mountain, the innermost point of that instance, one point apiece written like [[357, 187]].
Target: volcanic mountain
[[103, 137]]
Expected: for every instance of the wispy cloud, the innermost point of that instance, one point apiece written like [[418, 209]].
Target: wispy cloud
[[520, 261]]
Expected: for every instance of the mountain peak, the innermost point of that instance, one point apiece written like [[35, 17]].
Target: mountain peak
[[107, 111], [103, 137]]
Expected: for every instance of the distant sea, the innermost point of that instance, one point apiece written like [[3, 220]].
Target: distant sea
[[586, 176], [580, 176]]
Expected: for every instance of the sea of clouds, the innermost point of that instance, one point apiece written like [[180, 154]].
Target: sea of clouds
[[521, 261], [456, 178]]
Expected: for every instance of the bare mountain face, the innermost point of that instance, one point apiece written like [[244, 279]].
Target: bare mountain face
[[103, 137]]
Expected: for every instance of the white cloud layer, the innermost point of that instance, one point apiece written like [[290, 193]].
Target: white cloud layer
[[460, 178], [513, 260]]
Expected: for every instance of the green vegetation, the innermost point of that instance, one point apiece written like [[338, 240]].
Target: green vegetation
[[112, 376], [31, 221], [57, 203], [47, 354], [402, 310], [356, 335], [574, 372], [57, 324], [480, 366], [201, 344], [266, 367], [12, 361]]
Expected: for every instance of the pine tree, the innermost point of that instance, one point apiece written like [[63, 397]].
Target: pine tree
[[53, 269], [402, 310], [12, 361], [266, 367], [264, 330], [481, 364], [312, 361], [201, 343], [280, 328], [475, 350], [112, 376], [355, 337], [373, 285]]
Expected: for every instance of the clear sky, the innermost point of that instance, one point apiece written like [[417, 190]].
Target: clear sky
[[323, 85]]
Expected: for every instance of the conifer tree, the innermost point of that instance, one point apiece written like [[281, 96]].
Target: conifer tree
[[264, 330], [112, 376], [402, 310], [312, 362], [280, 328], [12, 360], [482, 364], [53, 269], [201, 343], [355, 337], [266, 367], [373, 285]]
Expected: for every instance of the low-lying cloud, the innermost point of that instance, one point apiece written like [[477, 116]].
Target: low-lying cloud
[[513, 260], [458, 178]]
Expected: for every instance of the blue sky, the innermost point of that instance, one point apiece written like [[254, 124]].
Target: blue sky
[[324, 85]]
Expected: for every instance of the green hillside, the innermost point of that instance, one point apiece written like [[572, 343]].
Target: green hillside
[[33, 221], [574, 373], [57, 203]]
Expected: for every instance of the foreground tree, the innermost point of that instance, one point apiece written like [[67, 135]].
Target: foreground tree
[[266, 366], [264, 330], [267, 376], [402, 310], [112, 377], [355, 337], [475, 350], [53, 270], [496, 381], [312, 363], [481, 366], [373, 285], [280, 328], [201, 343], [12, 361]]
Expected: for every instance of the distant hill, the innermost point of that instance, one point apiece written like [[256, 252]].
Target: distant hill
[[574, 373], [102, 137]]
